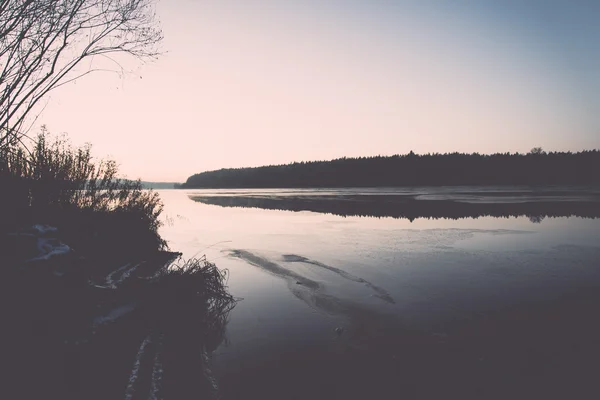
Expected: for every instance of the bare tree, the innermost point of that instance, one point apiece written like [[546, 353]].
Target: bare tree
[[537, 151], [43, 41]]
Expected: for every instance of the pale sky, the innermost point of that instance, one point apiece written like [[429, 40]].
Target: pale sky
[[249, 83]]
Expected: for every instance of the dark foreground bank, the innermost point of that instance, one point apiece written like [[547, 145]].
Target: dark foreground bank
[[94, 306], [105, 324]]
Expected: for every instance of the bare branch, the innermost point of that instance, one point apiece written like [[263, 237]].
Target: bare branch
[[43, 41]]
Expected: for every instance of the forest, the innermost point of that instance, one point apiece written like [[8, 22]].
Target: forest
[[534, 168]]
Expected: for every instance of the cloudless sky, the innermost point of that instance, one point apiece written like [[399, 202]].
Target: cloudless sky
[[248, 83]]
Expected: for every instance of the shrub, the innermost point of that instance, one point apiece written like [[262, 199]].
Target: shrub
[[58, 184]]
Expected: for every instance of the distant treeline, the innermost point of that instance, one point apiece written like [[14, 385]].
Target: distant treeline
[[534, 168], [159, 185]]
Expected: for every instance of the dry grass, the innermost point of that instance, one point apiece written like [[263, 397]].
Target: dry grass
[[57, 184], [196, 286]]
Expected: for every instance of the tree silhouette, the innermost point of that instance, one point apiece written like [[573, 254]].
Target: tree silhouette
[[538, 168], [43, 41], [537, 151]]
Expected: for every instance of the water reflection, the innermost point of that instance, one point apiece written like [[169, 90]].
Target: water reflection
[[360, 308], [411, 207]]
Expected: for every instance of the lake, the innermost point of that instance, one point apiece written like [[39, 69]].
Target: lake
[[421, 292]]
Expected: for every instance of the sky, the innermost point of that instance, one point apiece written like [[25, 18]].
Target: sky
[[248, 83]]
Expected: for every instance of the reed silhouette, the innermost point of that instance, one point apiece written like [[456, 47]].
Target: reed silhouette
[[56, 184]]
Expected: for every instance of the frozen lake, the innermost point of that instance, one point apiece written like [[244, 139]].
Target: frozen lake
[[337, 303]]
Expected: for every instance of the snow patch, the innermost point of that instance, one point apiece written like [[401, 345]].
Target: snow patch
[[128, 272], [113, 315], [44, 229], [113, 279], [157, 375], [130, 391], [110, 280], [50, 247]]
